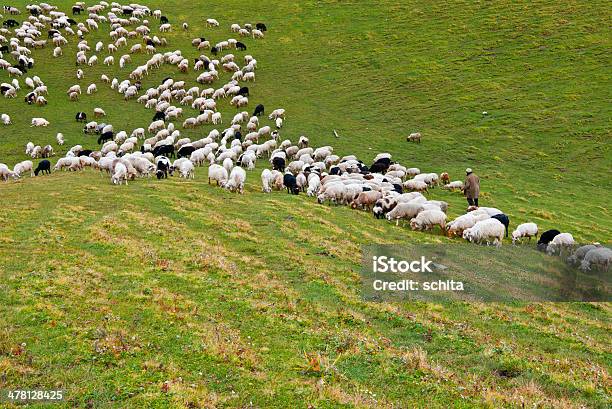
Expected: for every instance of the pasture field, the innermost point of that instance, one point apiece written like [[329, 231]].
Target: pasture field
[[177, 293]]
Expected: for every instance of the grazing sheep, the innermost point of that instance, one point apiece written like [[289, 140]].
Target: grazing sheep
[[505, 220], [578, 254], [415, 185], [404, 211], [44, 166], [59, 138], [6, 120], [559, 243], [414, 137], [485, 231], [236, 180], [455, 185], [600, 258], [217, 173], [38, 122], [25, 166], [546, 238], [463, 222], [428, 219], [120, 174], [525, 230], [186, 169]]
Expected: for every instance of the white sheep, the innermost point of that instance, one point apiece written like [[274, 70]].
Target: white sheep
[[236, 180], [463, 222], [600, 257], [37, 122], [217, 173], [404, 211], [120, 174], [524, 230], [92, 88], [559, 243], [59, 138], [428, 219], [485, 231], [24, 166], [186, 169], [6, 120]]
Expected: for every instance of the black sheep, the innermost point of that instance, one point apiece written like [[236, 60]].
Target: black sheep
[[278, 164], [163, 20], [159, 116], [106, 136], [52, 33], [185, 151], [244, 91], [546, 238], [398, 188], [150, 42], [259, 110], [335, 170], [290, 183], [261, 27], [10, 23], [162, 169], [81, 117], [72, 22], [505, 220], [4, 49], [44, 166], [165, 150], [76, 10], [238, 135], [214, 51], [241, 46], [85, 152]]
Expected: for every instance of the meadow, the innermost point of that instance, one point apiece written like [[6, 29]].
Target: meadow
[[176, 293]]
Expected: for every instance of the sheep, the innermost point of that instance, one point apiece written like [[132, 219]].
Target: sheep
[[24, 166], [455, 185], [404, 211], [314, 184], [303, 142], [463, 222], [217, 173], [366, 200], [415, 185], [211, 22], [266, 180], [236, 180], [186, 169], [559, 243], [600, 257], [428, 219], [6, 173], [57, 52], [38, 122], [414, 137], [578, 255], [228, 164], [92, 88], [59, 138], [6, 119], [525, 230], [484, 231], [546, 238], [120, 174], [44, 166]]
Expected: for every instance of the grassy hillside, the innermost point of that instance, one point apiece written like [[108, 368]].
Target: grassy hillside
[[176, 293]]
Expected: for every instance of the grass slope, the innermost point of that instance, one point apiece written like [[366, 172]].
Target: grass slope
[[254, 299]]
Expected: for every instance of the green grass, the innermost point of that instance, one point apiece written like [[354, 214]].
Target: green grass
[[255, 299]]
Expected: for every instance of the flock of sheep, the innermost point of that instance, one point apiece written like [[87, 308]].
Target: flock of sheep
[[386, 188]]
